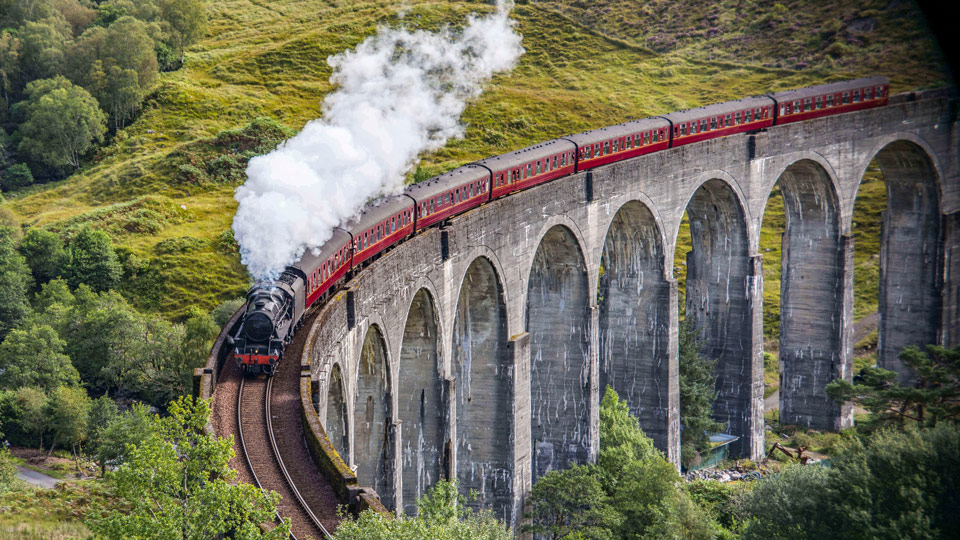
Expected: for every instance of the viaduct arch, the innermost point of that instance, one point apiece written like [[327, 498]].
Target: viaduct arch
[[479, 350]]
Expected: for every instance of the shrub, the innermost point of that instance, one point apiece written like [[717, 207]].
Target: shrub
[[16, 176]]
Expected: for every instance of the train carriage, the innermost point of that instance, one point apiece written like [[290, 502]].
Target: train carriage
[[622, 141], [720, 119], [382, 223], [323, 268], [449, 194], [530, 166], [829, 99]]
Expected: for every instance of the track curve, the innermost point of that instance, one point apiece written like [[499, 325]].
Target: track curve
[[264, 417]]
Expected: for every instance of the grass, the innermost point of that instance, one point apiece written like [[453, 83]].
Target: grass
[[163, 187], [28, 513]]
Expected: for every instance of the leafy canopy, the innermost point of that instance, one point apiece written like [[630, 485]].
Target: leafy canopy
[[176, 485]]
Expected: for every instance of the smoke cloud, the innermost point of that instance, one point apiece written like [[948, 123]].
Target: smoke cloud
[[399, 93]]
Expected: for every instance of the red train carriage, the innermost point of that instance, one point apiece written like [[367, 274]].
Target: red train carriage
[[530, 166], [449, 194], [323, 268], [381, 224], [721, 119], [828, 99], [622, 141]]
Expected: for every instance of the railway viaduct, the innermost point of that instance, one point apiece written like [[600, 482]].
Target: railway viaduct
[[480, 350]]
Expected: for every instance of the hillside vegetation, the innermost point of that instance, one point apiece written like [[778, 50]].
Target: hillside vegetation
[[163, 186]]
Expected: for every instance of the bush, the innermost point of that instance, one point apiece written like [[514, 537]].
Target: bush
[[16, 176], [222, 313]]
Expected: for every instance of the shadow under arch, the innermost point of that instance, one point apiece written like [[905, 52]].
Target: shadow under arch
[[335, 419], [420, 402], [722, 299], [373, 418], [558, 321], [812, 348], [634, 299], [484, 391], [911, 255]]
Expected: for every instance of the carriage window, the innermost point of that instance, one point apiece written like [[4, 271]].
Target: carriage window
[[529, 169], [728, 120], [683, 129], [538, 168], [713, 123], [819, 102], [856, 96], [868, 93], [556, 159], [807, 104], [615, 145]]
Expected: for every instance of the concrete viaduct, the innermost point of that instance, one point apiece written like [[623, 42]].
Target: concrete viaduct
[[479, 351]]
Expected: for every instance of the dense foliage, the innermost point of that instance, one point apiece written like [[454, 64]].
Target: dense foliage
[[441, 515], [67, 66], [176, 483], [632, 491], [932, 398], [893, 484]]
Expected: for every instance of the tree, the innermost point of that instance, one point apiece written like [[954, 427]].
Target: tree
[[93, 261], [15, 281], [42, 49], [933, 398], [66, 417], [44, 254], [112, 435], [892, 484], [187, 20], [641, 483], [60, 124], [16, 176], [441, 515], [117, 64], [571, 501], [34, 357], [30, 403], [621, 440], [10, 46], [697, 394], [176, 484]]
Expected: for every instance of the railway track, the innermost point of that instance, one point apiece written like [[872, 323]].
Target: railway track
[[258, 444]]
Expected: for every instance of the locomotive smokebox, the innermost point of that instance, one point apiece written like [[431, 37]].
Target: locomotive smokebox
[[258, 327]]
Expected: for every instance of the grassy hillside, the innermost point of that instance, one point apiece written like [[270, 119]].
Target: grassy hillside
[[163, 187]]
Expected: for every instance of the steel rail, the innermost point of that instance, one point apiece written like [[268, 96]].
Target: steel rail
[[283, 467], [243, 446]]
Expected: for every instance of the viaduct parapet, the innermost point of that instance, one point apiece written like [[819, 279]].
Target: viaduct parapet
[[479, 350]]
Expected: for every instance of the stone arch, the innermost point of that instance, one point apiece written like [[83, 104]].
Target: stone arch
[[634, 299], [484, 390], [578, 237], [558, 321], [421, 405], [911, 253], [722, 299], [372, 417], [812, 298], [335, 419]]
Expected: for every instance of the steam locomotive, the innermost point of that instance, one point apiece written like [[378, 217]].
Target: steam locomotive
[[275, 309]]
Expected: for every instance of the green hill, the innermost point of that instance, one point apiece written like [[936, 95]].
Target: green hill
[[163, 186]]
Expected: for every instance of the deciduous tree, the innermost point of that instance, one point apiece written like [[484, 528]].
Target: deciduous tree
[[93, 261], [33, 356], [44, 253], [177, 484], [61, 122]]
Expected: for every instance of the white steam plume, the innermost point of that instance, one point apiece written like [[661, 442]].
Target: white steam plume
[[400, 93]]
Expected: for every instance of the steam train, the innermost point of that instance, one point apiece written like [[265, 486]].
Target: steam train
[[275, 309]]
